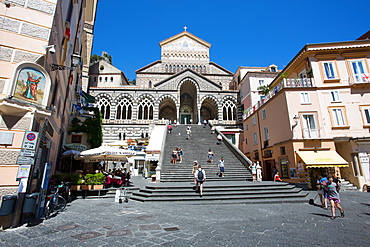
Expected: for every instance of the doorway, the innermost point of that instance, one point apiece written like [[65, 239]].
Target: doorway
[[185, 118], [268, 170]]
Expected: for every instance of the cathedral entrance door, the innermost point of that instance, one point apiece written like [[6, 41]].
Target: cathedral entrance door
[[185, 118]]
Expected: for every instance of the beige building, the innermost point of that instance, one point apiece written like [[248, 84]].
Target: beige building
[[43, 53], [315, 119]]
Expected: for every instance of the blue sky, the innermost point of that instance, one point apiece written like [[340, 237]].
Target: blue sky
[[242, 32]]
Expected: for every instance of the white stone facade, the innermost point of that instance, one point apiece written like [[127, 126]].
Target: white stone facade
[[183, 85]]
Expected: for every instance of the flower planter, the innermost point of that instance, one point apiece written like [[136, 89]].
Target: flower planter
[[75, 187], [98, 186], [86, 187]]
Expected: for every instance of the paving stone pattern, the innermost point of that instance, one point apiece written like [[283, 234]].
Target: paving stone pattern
[[101, 222]]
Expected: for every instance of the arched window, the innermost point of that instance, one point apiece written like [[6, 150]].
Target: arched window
[[124, 109], [106, 79], [150, 84], [111, 79], [99, 79], [146, 109], [104, 107], [229, 110]]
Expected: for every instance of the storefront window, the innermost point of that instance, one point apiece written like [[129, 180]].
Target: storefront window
[[284, 168]]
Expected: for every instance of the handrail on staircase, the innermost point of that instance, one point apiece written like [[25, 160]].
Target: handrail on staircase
[[241, 157], [160, 160]]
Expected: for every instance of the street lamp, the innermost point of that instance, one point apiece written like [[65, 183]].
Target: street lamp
[[296, 120], [76, 60]]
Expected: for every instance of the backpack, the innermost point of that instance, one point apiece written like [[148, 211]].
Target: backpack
[[200, 175]]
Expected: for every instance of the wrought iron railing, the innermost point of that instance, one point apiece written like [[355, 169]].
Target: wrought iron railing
[[284, 83]]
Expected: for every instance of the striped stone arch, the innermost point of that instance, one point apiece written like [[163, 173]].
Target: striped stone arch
[[209, 107], [104, 103], [167, 107], [195, 83], [229, 108], [167, 96], [124, 106], [145, 95], [209, 97], [124, 95], [145, 107], [103, 95]]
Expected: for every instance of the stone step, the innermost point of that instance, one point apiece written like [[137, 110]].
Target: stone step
[[271, 197], [220, 191]]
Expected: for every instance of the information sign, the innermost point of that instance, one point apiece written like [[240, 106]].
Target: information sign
[[23, 171], [25, 160], [29, 153]]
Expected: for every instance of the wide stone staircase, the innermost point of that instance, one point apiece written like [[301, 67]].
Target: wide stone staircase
[[196, 149], [236, 187]]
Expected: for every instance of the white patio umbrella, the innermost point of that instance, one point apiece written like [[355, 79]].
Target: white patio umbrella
[[71, 153], [105, 153]]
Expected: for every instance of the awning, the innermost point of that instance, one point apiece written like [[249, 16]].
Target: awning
[[87, 97], [318, 159]]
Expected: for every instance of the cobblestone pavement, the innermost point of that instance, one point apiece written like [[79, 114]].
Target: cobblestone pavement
[[102, 222]]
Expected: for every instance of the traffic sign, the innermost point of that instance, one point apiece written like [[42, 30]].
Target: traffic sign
[[30, 140]]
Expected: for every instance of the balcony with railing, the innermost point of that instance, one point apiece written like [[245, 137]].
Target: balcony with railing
[[360, 79], [284, 83]]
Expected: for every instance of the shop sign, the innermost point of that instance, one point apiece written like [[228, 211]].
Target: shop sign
[[77, 146]]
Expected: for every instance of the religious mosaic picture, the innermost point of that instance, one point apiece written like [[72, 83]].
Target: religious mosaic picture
[[31, 85]]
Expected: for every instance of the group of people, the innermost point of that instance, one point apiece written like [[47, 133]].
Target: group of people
[[176, 155], [256, 170], [328, 190], [118, 173]]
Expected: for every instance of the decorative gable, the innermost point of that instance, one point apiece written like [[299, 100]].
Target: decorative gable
[[173, 83]]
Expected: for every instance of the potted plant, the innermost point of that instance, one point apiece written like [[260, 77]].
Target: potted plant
[[87, 182], [75, 179], [98, 180]]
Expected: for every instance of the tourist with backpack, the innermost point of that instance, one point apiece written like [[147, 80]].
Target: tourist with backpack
[[200, 176]]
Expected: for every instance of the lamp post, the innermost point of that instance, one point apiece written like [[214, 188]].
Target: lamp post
[[296, 120]]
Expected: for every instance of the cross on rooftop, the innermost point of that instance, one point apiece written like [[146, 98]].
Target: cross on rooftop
[[185, 28]]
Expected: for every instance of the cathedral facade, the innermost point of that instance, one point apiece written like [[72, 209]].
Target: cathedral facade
[[184, 86]]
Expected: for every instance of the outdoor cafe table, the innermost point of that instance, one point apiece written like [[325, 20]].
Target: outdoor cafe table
[[116, 180]]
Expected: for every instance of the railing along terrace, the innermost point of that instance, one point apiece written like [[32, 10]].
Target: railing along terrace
[[284, 83], [359, 79]]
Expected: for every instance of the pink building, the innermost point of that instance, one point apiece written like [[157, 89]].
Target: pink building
[[316, 117]]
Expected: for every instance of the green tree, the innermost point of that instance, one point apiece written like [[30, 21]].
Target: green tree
[[264, 89], [133, 82], [96, 58], [92, 126]]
